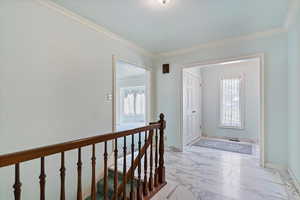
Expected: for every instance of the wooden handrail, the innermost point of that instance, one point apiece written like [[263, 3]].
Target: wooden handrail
[[142, 153], [136, 161], [119, 189], [27, 155]]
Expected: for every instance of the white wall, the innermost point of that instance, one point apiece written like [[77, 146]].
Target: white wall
[[275, 49], [54, 75], [294, 96], [211, 76]]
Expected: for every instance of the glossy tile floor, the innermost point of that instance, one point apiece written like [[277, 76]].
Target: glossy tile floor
[[207, 174]]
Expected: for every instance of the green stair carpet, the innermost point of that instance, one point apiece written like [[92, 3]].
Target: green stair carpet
[[110, 178]]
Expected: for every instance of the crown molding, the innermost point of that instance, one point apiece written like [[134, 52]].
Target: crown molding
[[88, 23], [223, 42], [293, 9]]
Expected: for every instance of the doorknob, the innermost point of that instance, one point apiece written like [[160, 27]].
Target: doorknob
[[194, 111]]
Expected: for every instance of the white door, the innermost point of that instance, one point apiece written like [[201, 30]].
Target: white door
[[191, 107]]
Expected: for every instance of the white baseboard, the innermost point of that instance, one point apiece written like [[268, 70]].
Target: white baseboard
[[275, 166], [194, 141], [173, 148], [295, 181]]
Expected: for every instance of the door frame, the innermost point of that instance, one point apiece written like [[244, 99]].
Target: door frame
[[115, 59], [262, 134]]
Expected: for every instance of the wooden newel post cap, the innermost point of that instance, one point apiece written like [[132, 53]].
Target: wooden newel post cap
[[162, 120], [161, 116]]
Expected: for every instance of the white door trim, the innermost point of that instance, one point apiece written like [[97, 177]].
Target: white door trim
[[262, 96], [148, 88]]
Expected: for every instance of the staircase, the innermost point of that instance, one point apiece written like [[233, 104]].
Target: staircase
[[110, 193], [137, 175]]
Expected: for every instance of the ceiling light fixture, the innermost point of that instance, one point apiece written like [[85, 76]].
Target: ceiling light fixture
[[164, 1]]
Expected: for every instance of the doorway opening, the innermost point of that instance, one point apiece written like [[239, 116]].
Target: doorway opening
[[131, 99], [222, 106], [131, 96]]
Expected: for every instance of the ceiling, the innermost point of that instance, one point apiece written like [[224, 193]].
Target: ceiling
[[181, 23]]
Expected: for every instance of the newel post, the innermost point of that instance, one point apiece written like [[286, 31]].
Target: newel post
[[161, 167]]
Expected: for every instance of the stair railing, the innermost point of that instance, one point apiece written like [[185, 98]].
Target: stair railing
[[145, 189]]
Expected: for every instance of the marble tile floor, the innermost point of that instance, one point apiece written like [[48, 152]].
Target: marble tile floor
[[208, 174]]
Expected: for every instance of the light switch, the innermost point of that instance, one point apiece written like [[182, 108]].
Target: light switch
[[108, 97]]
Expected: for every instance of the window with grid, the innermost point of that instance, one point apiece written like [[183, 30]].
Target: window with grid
[[231, 102], [133, 104]]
